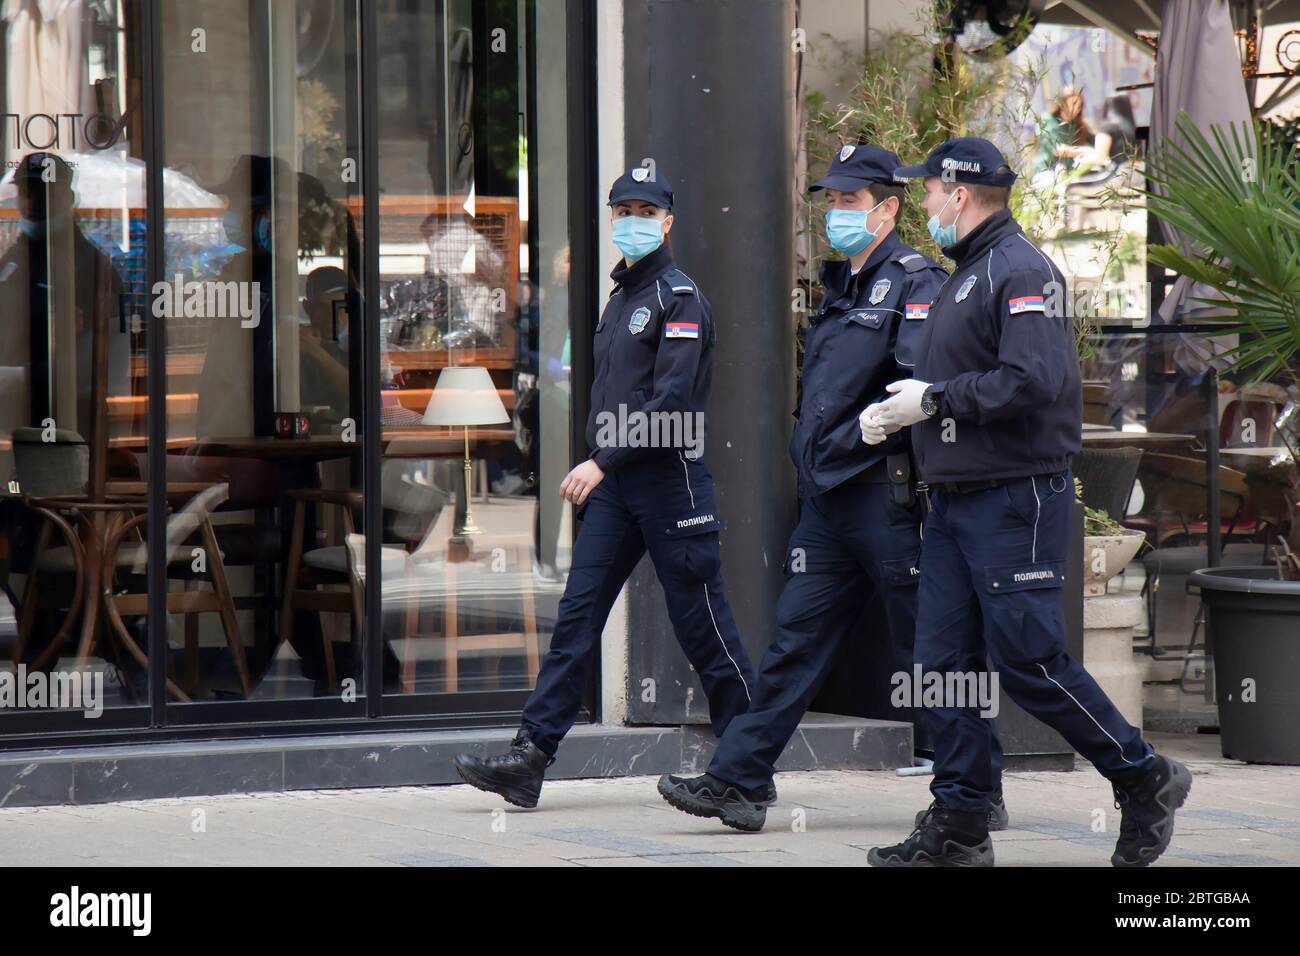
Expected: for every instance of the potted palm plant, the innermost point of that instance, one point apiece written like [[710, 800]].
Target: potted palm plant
[[1234, 194]]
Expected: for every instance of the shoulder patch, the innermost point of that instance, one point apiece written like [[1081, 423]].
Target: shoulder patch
[[679, 282], [912, 261]]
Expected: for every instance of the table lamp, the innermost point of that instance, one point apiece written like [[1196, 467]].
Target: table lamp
[[465, 396]]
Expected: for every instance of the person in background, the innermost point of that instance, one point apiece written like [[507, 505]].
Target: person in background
[[323, 343], [1061, 131], [1115, 139]]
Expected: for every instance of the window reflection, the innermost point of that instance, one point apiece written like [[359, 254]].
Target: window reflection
[[72, 380], [474, 320], [259, 313]]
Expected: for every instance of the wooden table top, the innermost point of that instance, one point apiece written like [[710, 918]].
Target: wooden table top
[[412, 441], [1137, 439]]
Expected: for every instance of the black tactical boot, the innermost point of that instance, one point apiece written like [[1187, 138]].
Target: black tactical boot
[[943, 838], [998, 817], [515, 775], [707, 796], [1147, 802]]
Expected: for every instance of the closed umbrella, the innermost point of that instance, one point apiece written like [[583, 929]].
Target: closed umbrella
[[45, 63], [1198, 71]]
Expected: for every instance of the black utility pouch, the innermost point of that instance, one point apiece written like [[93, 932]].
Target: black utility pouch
[[900, 479]]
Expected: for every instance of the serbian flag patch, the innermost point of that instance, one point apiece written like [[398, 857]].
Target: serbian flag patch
[[682, 330], [1026, 303], [916, 310]]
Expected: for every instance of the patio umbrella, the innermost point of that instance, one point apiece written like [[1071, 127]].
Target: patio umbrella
[[111, 179]]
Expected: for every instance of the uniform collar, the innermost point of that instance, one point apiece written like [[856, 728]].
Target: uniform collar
[[645, 270], [837, 275], [982, 238]]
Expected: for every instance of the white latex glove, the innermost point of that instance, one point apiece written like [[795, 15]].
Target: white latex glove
[[904, 408], [872, 432]]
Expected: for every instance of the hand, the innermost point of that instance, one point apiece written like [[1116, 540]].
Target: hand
[[904, 408], [872, 432], [578, 484]]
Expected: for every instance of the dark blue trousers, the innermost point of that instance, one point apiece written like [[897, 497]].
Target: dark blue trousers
[[665, 506], [849, 542], [992, 567]]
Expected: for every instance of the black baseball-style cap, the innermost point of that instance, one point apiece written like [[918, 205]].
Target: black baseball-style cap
[[855, 166], [36, 166], [967, 159], [644, 183]]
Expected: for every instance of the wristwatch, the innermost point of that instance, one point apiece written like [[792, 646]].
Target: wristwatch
[[930, 399]]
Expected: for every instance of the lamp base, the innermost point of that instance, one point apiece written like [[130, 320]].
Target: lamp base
[[460, 549]]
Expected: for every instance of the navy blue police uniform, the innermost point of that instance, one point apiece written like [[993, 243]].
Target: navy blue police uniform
[[999, 351], [653, 354], [853, 536]]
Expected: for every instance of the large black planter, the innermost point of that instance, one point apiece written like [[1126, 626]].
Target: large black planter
[[1253, 621]]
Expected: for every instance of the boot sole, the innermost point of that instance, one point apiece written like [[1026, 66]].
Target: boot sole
[[1171, 797], [959, 856], [751, 822], [512, 795]]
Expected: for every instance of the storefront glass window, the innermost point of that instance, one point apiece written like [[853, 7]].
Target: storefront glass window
[[260, 310]]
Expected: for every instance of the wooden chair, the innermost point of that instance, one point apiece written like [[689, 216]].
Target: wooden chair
[[409, 511], [126, 554], [310, 572], [48, 470], [1176, 496]]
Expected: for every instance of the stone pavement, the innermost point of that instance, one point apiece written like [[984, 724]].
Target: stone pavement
[[1237, 815]]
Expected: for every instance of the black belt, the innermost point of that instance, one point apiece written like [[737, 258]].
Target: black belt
[[970, 487]]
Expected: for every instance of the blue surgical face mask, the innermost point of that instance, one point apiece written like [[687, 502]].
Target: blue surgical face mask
[[847, 231], [945, 236], [33, 228], [262, 233], [233, 221], [637, 236]]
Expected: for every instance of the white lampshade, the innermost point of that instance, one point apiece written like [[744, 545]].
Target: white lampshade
[[465, 395]]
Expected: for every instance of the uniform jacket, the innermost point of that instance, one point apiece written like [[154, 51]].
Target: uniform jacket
[[653, 353], [1001, 348], [864, 336]]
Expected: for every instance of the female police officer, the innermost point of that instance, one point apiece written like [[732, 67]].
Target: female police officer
[[645, 488]]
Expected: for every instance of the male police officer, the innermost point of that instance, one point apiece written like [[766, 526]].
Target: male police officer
[[645, 489], [859, 526], [995, 410]]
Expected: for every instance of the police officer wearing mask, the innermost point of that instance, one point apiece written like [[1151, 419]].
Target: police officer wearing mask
[[995, 409], [645, 488], [859, 525]]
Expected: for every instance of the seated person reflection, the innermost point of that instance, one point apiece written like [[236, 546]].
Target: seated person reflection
[[323, 345]]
